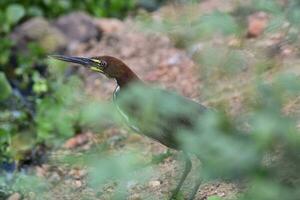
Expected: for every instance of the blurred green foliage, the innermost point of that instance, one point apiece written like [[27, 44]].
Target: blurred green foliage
[[15, 10], [28, 87], [4, 87], [188, 25], [264, 156], [63, 114]]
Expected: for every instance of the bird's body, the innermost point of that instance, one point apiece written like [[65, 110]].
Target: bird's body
[[159, 114]]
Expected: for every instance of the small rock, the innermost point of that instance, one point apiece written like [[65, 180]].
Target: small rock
[[173, 60], [78, 27], [40, 171], [287, 52], [154, 183], [134, 138], [31, 195], [234, 42], [87, 146], [77, 183], [131, 184], [78, 140], [257, 24], [68, 182], [109, 25], [77, 173], [135, 197], [222, 194], [54, 177], [14, 196], [41, 31]]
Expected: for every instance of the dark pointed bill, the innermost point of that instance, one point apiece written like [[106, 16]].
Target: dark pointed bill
[[73, 59]]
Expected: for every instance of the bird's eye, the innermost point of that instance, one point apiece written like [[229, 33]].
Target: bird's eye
[[102, 63]]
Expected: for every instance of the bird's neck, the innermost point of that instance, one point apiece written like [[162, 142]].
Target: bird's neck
[[127, 78]]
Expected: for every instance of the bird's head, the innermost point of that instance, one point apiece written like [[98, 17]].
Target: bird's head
[[107, 65]]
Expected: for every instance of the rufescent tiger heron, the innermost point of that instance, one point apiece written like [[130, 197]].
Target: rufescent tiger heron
[[163, 130]]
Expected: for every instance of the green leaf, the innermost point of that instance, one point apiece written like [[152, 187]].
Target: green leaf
[[4, 87], [28, 183], [217, 22], [35, 11], [14, 13], [293, 15], [156, 159], [267, 6], [214, 198]]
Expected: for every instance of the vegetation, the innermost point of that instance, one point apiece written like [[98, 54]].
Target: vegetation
[[258, 144], [28, 87]]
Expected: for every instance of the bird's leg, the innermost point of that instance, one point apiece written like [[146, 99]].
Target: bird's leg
[[187, 169], [196, 187], [198, 183]]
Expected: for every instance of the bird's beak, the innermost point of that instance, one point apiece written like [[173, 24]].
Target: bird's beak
[[87, 62]]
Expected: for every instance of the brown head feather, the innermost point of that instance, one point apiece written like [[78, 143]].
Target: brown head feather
[[118, 70]]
